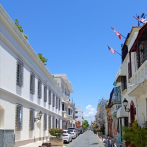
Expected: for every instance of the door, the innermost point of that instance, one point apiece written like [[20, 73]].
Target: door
[[132, 112]]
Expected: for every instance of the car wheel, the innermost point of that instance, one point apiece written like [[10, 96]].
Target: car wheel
[[71, 140]]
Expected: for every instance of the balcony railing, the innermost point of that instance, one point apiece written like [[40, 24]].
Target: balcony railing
[[138, 77]]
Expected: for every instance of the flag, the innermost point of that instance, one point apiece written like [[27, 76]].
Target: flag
[[111, 50], [142, 20], [117, 33]]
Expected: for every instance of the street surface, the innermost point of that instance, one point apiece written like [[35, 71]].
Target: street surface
[[87, 139]]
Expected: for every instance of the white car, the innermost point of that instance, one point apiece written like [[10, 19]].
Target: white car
[[73, 132], [67, 136]]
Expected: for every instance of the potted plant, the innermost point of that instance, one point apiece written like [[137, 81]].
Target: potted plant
[[56, 139]]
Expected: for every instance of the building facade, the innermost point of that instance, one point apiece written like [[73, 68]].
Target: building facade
[[79, 114], [68, 107], [30, 98]]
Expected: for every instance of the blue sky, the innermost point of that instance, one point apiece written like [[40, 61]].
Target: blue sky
[[73, 35]]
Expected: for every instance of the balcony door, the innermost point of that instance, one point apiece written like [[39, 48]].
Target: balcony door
[[132, 115]]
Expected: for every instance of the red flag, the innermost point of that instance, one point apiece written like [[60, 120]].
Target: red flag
[[117, 33], [111, 50]]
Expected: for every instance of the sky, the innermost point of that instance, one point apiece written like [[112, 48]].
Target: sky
[[73, 35]]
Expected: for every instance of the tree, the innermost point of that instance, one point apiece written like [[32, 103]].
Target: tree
[[20, 28], [43, 59], [85, 124]]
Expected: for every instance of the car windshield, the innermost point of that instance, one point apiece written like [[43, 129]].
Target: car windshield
[[70, 130]]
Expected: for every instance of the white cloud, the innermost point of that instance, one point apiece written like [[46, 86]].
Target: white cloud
[[89, 113]]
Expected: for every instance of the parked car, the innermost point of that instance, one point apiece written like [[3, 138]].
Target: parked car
[[67, 137], [73, 132], [81, 130]]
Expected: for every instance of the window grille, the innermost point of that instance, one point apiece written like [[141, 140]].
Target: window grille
[[49, 101], [49, 121], [19, 117], [32, 116], [53, 121], [56, 102], [53, 100], [45, 121], [32, 83], [39, 89], [45, 93], [19, 74]]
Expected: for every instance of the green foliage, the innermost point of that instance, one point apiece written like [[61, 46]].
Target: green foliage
[[85, 124], [135, 135], [20, 28], [127, 133], [56, 132], [43, 59]]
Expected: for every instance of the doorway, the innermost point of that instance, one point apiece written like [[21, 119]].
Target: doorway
[[56, 123], [132, 113]]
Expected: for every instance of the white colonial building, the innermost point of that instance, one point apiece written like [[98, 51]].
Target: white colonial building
[[79, 114], [27, 89], [68, 107]]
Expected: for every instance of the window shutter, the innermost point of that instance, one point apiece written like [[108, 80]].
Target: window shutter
[[19, 74], [59, 123], [32, 116], [19, 117], [53, 119], [49, 97], [32, 83], [129, 71], [45, 121], [39, 89], [49, 122], [53, 100], [59, 103], [45, 93]]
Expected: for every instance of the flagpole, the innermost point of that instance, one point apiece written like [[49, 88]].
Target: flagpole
[[118, 53]]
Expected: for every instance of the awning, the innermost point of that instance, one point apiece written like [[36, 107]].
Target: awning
[[121, 112], [121, 72]]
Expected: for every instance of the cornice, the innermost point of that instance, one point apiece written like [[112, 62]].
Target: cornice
[[9, 24], [23, 100]]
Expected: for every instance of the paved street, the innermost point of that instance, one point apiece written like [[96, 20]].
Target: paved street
[[87, 139]]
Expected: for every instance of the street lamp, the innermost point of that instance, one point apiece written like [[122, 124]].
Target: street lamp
[[39, 115], [125, 103]]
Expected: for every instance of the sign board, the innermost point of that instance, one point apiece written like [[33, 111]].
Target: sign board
[[7, 138]]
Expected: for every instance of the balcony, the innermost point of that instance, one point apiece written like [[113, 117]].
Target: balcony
[[138, 81], [115, 97]]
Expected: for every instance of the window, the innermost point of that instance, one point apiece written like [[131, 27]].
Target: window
[[39, 89], [56, 102], [53, 100], [123, 83], [59, 103], [45, 121], [19, 74], [49, 101], [62, 87], [68, 111], [49, 122], [63, 107], [32, 83], [45, 93], [76, 111], [53, 122], [76, 116], [32, 116], [19, 117]]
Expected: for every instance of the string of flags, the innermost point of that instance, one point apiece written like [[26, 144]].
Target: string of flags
[[142, 20]]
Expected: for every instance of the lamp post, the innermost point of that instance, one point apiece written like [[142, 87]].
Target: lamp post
[[39, 115], [125, 103]]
